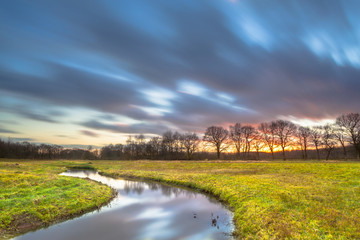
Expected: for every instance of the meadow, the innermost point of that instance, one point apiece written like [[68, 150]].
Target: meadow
[[270, 200], [33, 195]]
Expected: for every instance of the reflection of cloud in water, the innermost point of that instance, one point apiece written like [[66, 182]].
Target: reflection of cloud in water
[[155, 212], [144, 210], [156, 230], [139, 187], [170, 191]]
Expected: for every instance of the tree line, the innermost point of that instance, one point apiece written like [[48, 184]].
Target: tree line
[[285, 135], [26, 150], [276, 139]]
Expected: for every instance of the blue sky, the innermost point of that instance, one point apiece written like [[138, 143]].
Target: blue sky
[[93, 72]]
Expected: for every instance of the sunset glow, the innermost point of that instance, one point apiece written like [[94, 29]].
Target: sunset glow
[[69, 76]]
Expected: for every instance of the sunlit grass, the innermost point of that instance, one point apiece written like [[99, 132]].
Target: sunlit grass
[[297, 200], [270, 200], [32, 194]]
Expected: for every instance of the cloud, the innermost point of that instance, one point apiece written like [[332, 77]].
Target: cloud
[[145, 128], [3, 130], [89, 133], [19, 139], [64, 136], [36, 116], [182, 64], [32, 111]]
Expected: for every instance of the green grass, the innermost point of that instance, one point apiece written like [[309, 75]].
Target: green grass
[[270, 200], [32, 195], [277, 200]]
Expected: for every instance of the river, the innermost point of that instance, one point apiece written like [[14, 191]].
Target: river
[[143, 210]]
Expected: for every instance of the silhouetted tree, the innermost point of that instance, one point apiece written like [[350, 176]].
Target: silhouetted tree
[[351, 124], [342, 138], [235, 134], [88, 154], [171, 145], [267, 131], [248, 133], [315, 138], [328, 139], [258, 143], [190, 143], [153, 147], [284, 132], [304, 135], [216, 136]]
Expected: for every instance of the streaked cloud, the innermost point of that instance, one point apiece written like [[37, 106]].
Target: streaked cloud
[[89, 133], [115, 68], [4, 130]]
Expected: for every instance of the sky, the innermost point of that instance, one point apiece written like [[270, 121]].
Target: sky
[[96, 71]]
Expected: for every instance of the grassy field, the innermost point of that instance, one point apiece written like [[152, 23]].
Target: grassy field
[[32, 195], [270, 200], [278, 200]]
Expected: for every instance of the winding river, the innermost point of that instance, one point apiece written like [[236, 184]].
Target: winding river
[[143, 210]]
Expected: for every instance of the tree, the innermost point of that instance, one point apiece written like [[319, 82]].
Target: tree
[[139, 146], [328, 138], [284, 132], [88, 154], [351, 124], [304, 135], [315, 138], [258, 143], [340, 135], [268, 135], [153, 147], [235, 135], [177, 145], [248, 133], [190, 143], [216, 136], [168, 143], [130, 148], [140, 138]]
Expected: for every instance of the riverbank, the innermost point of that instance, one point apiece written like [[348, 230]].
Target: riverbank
[[33, 195], [270, 200]]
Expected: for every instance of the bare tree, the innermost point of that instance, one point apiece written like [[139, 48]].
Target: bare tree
[[177, 145], [236, 137], [190, 142], [304, 135], [153, 147], [351, 124], [140, 138], [216, 136], [328, 138], [268, 134], [139, 146], [341, 136], [248, 133], [169, 144], [284, 132], [130, 148], [315, 138], [258, 143]]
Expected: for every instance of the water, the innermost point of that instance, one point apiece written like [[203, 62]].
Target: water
[[144, 210]]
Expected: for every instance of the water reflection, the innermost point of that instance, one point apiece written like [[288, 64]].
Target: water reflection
[[144, 210]]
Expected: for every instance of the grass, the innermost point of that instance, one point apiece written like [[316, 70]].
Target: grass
[[275, 200], [270, 200], [33, 195]]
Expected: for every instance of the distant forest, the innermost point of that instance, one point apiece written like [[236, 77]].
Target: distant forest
[[278, 139]]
